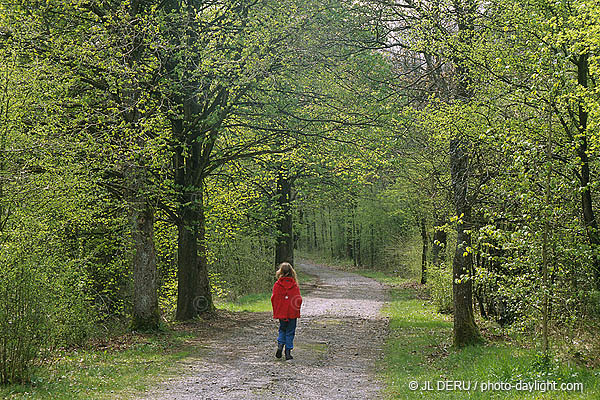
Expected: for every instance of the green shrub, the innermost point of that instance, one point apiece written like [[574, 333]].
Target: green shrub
[[23, 319], [593, 300], [439, 282], [73, 317], [43, 307]]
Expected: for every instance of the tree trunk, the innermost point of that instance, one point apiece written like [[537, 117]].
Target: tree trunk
[[357, 246], [309, 243], [372, 249], [298, 239], [546, 234], [349, 239], [323, 231], [330, 232], [145, 313], [354, 235], [340, 245], [438, 251], [425, 240], [284, 249], [314, 229], [465, 330], [193, 285], [589, 216], [145, 299]]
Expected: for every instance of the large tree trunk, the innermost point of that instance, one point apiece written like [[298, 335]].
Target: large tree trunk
[[465, 330], [425, 240], [284, 249], [193, 285], [589, 216], [145, 313], [145, 299]]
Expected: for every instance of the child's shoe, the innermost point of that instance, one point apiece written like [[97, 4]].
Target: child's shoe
[[288, 354], [279, 350]]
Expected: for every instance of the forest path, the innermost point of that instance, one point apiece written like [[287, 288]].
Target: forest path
[[339, 339]]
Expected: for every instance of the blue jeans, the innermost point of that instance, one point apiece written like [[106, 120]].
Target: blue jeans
[[287, 330]]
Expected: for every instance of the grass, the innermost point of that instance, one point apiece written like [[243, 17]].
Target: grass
[[419, 350], [118, 371]]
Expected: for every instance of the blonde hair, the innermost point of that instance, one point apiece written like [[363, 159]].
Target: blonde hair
[[286, 269]]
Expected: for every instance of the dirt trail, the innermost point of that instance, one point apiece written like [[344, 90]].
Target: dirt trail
[[339, 338]]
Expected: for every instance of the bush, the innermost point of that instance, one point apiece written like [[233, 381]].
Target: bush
[[73, 315], [43, 306], [439, 282], [593, 301], [23, 320]]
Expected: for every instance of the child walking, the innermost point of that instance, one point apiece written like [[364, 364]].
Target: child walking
[[286, 301]]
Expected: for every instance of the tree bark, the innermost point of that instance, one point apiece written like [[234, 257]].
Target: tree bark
[[284, 249], [465, 330], [425, 240], [589, 216], [193, 284], [145, 299], [145, 312]]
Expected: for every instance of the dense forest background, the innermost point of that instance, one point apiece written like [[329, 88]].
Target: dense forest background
[[157, 157]]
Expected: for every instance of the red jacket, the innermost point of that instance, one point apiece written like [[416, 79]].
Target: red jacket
[[286, 299]]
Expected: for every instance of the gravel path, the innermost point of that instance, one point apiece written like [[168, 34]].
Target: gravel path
[[339, 338]]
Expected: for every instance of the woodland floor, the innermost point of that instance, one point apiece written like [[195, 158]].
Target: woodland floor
[[339, 340]]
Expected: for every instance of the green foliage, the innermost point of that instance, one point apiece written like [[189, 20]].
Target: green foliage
[[593, 301], [24, 319], [42, 309]]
